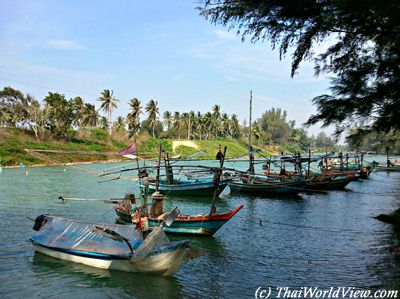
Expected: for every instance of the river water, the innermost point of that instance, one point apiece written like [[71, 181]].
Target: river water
[[320, 240]]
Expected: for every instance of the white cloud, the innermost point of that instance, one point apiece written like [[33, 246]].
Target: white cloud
[[64, 44]]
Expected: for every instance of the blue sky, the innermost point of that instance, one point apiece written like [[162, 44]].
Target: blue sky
[[161, 50]]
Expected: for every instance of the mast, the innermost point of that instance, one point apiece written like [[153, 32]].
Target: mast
[[251, 100], [251, 157], [158, 168], [216, 179]]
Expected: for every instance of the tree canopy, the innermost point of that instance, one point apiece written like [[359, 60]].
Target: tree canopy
[[363, 59]]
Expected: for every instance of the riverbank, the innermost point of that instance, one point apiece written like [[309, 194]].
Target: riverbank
[[99, 148]]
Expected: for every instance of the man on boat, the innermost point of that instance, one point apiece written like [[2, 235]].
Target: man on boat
[[130, 202], [220, 155]]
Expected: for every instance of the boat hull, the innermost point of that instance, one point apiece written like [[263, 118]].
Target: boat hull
[[331, 182], [269, 188], [163, 263], [193, 188], [206, 225]]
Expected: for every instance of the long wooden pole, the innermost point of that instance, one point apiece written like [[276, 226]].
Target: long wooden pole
[[217, 178], [251, 103], [158, 168]]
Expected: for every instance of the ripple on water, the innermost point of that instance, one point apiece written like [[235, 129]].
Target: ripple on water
[[324, 239]]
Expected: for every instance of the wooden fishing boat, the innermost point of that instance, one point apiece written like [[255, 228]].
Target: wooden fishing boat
[[198, 187], [201, 224], [330, 181], [108, 246], [258, 184]]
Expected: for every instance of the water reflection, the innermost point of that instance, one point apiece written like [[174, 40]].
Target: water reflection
[[112, 283]]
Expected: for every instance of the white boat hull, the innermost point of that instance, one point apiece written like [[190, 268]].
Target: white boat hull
[[163, 263]]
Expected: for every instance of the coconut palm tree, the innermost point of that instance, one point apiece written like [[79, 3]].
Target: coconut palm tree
[[234, 127], [119, 124], [168, 120], [103, 123], [152, 110], [133, 117], [78, 106], [216, 119], [176, 125], [108, 103], [185, 122], [89, 116], [207, 124]]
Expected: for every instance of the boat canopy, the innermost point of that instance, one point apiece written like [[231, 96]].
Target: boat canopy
[[62, 233]]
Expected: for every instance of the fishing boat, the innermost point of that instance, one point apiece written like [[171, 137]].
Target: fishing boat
[[199, 224], [259, 184], [194, 187], [331, 181], [108, 246]]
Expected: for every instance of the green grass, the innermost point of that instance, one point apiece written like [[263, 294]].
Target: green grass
[[14, 141]]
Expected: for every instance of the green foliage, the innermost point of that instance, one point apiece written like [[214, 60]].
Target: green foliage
[[322, 141], [363, 60], [60, 115], [375, 142], [152, 145], [274, 125], [99, 134]]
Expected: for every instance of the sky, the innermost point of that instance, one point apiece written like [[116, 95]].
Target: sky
[[161, 50]]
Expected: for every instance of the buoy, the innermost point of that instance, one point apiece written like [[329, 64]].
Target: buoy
[[26, 173]]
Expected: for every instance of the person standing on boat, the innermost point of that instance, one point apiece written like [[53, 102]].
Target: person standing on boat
[[220, 155], [130, 203]]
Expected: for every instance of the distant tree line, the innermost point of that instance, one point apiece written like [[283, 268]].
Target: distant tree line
[[60, 118]]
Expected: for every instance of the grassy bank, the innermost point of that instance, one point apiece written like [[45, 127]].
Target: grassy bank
[[13, 143]]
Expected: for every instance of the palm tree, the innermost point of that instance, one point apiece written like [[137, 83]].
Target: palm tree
[[108, 103], [152, 110], [119, 125], [134, 116], [89, 115], [177, 124], [168, 120], [78, 106], [256, 131], [185, 122], [198, 124], [103, 123], [234, 127], [216, 119], [207, 124]]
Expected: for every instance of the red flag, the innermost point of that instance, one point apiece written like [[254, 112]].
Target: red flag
[[131, 149]]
